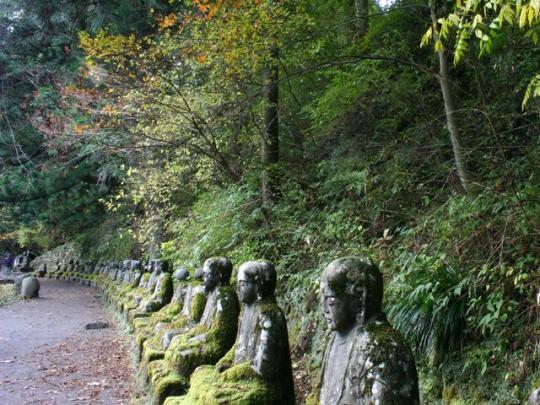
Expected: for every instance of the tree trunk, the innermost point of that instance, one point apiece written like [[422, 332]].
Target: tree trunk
[[450, 111], [361, 12], [156, 237], [270, 136]]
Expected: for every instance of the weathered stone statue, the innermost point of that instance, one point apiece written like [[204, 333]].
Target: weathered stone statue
[[366, 360], [130, 280], [165, 314], [257, 370], [22, 263], [190, 299], [204, 343], [147, 285], [161, 294]]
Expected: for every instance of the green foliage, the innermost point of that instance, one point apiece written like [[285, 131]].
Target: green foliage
[[8, 294], [492, 24], [32, 238], [428, 303]]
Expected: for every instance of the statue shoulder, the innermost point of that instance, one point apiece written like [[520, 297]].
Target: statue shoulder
[[384, 342], [226, 299], [225, 293], [271, 316], [393, 373]]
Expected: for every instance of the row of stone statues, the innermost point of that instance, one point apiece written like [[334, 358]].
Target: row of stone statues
[[202, 341]]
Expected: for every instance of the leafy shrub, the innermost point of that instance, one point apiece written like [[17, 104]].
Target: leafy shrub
[[429, 298]]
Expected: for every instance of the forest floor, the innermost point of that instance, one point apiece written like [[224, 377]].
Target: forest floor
[[47, 357]]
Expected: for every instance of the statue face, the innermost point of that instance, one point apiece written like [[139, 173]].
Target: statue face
[[247, 288], [337, 310], [210, 278]]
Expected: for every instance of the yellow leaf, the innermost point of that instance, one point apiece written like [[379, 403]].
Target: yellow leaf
[[523, 16]]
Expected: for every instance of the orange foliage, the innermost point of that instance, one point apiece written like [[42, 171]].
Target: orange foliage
[[168, 21], [81, 129]]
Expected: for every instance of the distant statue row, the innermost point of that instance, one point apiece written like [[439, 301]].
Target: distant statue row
[[197, 346]]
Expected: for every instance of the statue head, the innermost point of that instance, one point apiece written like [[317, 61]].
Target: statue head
[[352, 292], [216, 271], [256, 281], [161, 266], [181, 273]]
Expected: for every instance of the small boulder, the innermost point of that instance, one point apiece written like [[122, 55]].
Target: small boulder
[[96, 325], [19, 280], [30, 287]]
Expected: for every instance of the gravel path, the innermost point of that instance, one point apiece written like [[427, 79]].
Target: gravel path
[[47, 357]]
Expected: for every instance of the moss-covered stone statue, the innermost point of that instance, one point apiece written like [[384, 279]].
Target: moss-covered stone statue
[[257, 370], [149, 282], [185, 309], [131, 281], [366, 361], [161, 295], [204, 343]]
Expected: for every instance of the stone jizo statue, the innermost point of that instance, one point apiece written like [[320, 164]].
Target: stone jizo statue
[[182, 313], [366, 361], [163, 289], [257, 370], [206, 342]]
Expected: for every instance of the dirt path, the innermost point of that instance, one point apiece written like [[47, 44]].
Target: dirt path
[[47, 357]]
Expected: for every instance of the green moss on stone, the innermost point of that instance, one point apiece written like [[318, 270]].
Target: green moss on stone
[[170, 385], [197, 306], [219, 337], [208, 387]]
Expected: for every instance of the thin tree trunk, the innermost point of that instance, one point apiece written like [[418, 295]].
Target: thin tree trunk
[[270, 136], [154, 247], [361, 12], [450, 112]]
